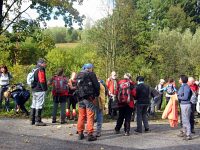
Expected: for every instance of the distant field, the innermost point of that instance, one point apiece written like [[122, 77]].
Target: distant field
[[67, 45]]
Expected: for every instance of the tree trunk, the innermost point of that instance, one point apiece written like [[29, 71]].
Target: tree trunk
[[1, 15]]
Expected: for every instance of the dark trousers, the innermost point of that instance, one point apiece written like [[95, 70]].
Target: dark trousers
[[192, 121], [71, 100], [62, 101], [7, 103], [159, 104], [142, 117], [124, 113], [111, 110]]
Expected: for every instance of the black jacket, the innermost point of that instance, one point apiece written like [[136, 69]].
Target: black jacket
[[40, 82], [143, 94]]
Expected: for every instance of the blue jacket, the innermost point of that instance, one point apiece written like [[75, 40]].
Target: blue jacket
[[184, 94]]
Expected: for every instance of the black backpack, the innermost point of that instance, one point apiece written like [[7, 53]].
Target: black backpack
[[84, 85]]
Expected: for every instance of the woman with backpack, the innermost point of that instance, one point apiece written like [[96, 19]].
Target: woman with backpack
[[59, 92], [170, 89], [126, 92], [5, 77], [72, 99]]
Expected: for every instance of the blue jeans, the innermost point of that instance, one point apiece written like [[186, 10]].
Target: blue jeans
[[99, 117]]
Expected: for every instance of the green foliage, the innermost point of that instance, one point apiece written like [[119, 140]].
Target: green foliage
[[47, 10], [63, 35]]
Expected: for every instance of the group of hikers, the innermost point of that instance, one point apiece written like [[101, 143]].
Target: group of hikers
[[126, 99]]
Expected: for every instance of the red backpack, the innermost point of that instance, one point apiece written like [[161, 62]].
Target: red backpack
[[124, 94], [60, 84]]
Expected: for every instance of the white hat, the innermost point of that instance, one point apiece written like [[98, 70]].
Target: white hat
[[162, 81]]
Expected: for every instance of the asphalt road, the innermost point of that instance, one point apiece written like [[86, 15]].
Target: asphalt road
[[17, 134]]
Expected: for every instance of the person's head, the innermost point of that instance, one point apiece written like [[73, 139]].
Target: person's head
[[127, 76], [89, 67], [183, 79], [60, 72], [41, 62], [7, 94], [140, 79], [113, 75], [73, 75], [170, 80], [191, 81], [4, 69], [162, 81]]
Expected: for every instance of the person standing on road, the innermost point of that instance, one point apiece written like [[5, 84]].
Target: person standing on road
[[184, 95], [87, 91], [39, 87], [126, 94], [193, 100], [5, 77], [111, 84], [143, 102], [59, 92]]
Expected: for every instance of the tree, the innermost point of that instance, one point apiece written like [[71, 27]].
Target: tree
[[46, 9]]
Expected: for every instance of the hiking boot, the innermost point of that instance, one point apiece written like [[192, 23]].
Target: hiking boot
[[126, 134], [147, 130], [38, 119], [117, 131], [192, 131], [91, 138], [98, 134], [32, 116], [40, 124], [53, 121], [136, 131], [181, 134], [81, 136], [188, 137]]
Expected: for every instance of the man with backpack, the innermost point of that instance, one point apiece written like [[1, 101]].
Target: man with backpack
[[126, 94], [87, 91], [60, 93], [39, 87]]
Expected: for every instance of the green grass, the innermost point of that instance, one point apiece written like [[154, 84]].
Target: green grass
[[67, 45]]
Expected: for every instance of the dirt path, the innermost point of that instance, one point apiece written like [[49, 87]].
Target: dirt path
[[18, 134]]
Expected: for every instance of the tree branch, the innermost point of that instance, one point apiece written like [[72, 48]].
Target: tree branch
[[3, 17], [14, 20]]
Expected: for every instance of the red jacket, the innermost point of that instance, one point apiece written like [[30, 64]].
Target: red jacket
[[194, 87], [132, 92], [110, 86]]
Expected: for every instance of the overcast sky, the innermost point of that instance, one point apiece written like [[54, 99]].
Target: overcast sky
[[92, 9]]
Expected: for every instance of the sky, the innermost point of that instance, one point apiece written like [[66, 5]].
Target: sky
[[92, 9]]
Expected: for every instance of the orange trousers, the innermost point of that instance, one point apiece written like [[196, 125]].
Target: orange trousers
[[85, 114]]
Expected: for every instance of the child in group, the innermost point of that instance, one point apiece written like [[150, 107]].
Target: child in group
[[59, 92]]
